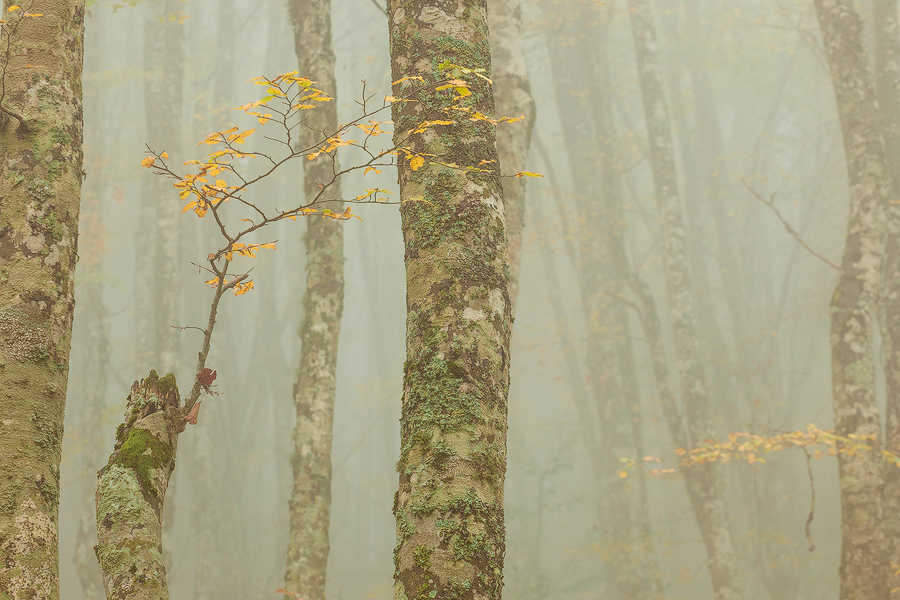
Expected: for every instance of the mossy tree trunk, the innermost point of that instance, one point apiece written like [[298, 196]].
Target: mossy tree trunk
[[863, 572], [449, 507], [40, 188], [887, 91], [703, 482], [314, 389], [512, 95], [131, 491]]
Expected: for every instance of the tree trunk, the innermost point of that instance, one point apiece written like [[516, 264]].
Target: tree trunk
[[703, 482], [323, 302], [131, 491], [863, 572], [40, 187], [449, 507], [887, 91], [92, 316], [513, 99], [157, 237]]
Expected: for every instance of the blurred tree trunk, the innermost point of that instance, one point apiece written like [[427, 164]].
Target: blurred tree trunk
[[158, 244], [92, 317], [887, 92], [40, 188], [703, 482], [449, 506], [512, 95], [634, 570], [323, 302], [131, 491], [864, 561]]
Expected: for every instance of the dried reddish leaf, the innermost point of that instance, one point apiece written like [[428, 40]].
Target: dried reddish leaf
[[191, 417], [206, 378]]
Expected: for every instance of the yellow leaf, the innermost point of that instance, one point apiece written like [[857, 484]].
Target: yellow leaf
[[415, 162], [463, 92], [148, 162], [189, 205], [528, 174], [264, 118], [408, 79], [623, 474], [213, 282], [164, 155], [13, 7], [192, 162], [243, 288], [270, 245]]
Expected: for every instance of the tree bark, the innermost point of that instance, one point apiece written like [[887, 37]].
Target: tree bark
[[314, 389], [863, 571], [131, 491], [512, 99], [887, 92], [40, 186], [703, 482], [449, 506]]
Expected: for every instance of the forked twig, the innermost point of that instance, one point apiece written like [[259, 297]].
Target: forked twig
[[788, 227]]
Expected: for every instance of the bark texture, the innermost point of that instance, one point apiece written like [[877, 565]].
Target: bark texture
[[887, 92], [131, 490], [863, 571], [40, 187], [512, 95], [449, 506], [703, 482], [323, 302]]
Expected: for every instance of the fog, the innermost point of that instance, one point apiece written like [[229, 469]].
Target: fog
[[754, 118]]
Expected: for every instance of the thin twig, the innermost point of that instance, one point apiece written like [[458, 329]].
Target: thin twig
[[787, 226], [812, 500]]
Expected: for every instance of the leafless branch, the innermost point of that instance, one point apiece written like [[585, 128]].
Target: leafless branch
[[787, 226]]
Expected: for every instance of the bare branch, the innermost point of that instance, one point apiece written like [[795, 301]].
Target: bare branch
[[787, 226]]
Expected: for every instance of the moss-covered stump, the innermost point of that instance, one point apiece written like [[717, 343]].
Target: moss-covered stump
[[131, 489]]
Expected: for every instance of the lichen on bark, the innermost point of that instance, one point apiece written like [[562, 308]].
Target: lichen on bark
[[449, 506], [314, 389], [864, 572], [131, 491], [40, 182]]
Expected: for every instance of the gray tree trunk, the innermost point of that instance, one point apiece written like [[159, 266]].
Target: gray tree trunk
[[864, 573], [887, 91], [314, 389], [449, 507], [40, 191], [512, 95], [703, 482]]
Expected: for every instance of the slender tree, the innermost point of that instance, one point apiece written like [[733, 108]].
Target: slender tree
[[449, 508], [513, 98], [703, 482], [887, 92], [41, 55], [864, 559], [314, 389]]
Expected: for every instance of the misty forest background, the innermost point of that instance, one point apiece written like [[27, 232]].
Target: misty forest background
[[750, 98]]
